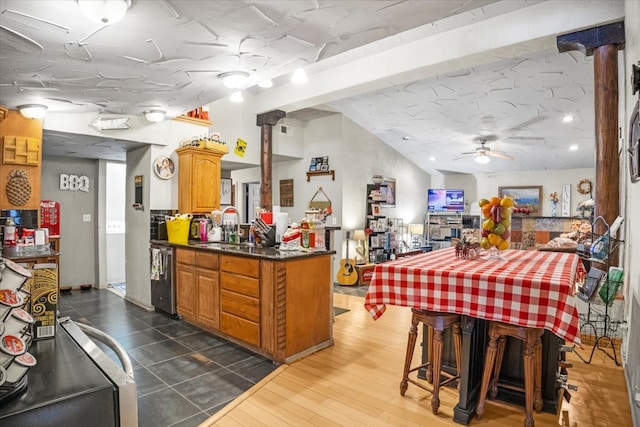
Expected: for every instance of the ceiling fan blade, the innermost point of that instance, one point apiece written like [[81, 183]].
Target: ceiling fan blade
[[470, 152], [499, 155], [527, 138], [527, 123]]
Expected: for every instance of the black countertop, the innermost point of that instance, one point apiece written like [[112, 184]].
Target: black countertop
[[274, 254], [63, 388]]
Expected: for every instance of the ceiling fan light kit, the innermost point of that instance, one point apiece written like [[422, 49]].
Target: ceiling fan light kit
[[33, 111], [483, 159], [106, 12]]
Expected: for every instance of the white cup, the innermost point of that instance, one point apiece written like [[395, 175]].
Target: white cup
[[13, 275]]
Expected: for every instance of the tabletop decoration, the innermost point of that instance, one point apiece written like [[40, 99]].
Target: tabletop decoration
[[496, 227], [467, 249]]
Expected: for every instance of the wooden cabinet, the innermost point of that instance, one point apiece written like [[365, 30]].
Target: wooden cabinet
[[278, 308], [199, 179], [186, 284], [197, 287], [240, 298], [208, 285]]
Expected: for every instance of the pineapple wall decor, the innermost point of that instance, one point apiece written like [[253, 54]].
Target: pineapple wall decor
[[18, 187]]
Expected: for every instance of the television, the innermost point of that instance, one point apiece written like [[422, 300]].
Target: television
[[443, 200]]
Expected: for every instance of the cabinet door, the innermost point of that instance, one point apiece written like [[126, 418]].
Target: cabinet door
[[205, 183], [208, 297], [187, 291]]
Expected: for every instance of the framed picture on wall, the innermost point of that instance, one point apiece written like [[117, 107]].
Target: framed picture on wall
[[388, 192], [225, 191], [527, 199]]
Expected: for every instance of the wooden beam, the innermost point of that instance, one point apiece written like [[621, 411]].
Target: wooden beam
[[266, 121], [603, 43]]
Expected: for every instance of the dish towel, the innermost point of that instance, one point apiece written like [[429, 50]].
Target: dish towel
[[156, 264]]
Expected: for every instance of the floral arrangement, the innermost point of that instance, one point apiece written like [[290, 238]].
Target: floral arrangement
[[554, 197]]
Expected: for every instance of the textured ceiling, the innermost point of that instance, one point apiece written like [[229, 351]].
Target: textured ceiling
[[168, 55]]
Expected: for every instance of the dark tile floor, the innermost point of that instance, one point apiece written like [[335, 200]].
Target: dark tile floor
[[355, 290], [183, 375]]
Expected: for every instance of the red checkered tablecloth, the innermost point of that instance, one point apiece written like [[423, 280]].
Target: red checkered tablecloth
[[526, 288]]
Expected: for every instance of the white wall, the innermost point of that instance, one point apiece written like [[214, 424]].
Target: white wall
[[78, 242], [138, 222]]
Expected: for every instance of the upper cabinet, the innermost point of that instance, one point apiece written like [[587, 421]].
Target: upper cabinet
[[199, 179]]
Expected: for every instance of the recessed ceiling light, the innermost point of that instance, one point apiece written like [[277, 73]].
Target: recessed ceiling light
[[568, 118], [573, 147], [266, 84], [299, 76], [406, 138], [432, 159], [104, 11]]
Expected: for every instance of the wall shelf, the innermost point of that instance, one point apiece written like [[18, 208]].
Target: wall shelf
[[318, 173], [193, 120]]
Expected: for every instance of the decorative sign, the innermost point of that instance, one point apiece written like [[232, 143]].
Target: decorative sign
[[286, 193], [241, 147], [74, 182], [225, 191]]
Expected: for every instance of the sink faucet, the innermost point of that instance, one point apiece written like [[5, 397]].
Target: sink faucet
[[228, 208]]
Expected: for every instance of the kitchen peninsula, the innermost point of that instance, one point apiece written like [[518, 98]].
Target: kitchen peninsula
[[276, 303]]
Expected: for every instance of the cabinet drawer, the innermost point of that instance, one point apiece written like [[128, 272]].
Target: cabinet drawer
[[240, 305], [242, 285], [184, 256], [207, 260], [239, 328], [245, 266]]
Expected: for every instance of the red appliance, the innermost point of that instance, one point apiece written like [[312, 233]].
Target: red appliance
[[50, 217]]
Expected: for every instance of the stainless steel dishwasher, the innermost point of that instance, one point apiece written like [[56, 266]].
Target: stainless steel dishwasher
[[163, 289]]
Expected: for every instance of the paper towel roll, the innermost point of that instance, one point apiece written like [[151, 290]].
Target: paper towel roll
[[281, 219], [275, 209]]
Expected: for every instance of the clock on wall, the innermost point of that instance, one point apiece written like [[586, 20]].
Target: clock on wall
[[566, 199]]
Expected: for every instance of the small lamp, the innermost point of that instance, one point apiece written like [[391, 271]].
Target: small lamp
[[33, 111], [360, 236], [155, 116], [416, 231]]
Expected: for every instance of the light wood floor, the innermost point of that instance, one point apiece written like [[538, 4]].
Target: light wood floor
[[355, 383]]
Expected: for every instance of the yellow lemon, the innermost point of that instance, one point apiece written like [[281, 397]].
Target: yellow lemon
[[494, 239], [484, 243], [503, 246], [506, 202]]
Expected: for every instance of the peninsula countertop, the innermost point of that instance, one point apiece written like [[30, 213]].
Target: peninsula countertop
[[243, 249]]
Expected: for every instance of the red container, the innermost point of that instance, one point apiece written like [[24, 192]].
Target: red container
[[267, 217]]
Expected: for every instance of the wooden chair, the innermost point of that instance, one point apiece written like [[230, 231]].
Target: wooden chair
[[498, 333], [437, 323]]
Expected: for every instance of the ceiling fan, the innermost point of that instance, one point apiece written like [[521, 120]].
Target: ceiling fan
[[483, 153]]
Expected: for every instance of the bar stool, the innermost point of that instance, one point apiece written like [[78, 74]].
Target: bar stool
[[498, 333], [437, 322]]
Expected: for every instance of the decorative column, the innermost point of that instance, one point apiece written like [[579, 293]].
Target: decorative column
[[266, 121], [603, 43]]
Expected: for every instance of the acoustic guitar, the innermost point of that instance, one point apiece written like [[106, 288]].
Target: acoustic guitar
[[347, 274]]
